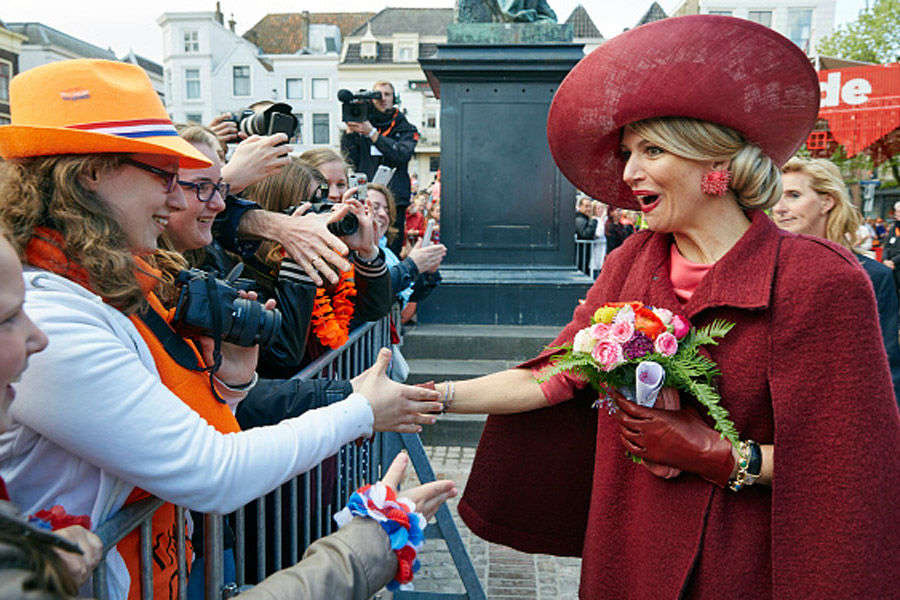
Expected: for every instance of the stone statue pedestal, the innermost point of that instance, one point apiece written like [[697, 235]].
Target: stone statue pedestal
[[507, 213]]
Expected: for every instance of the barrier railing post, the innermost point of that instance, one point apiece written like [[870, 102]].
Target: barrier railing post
[[213, 556]]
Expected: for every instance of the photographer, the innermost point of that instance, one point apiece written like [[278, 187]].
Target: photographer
[[386, 138], [241, 226]]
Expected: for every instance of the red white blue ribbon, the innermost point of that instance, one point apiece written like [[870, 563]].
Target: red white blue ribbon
[[135, 128]]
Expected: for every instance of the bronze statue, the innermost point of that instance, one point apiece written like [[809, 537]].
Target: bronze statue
[[504, 11]]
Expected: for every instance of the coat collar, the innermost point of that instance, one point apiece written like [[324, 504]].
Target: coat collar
[[742, 278]]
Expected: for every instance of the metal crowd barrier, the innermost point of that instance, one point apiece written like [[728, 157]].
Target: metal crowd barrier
[[583, 249], [357, 464]]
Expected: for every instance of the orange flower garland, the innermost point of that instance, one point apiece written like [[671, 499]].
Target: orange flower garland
[[332, 311]]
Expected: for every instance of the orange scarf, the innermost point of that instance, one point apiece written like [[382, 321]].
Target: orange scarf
[[45, 251], [333, 311]]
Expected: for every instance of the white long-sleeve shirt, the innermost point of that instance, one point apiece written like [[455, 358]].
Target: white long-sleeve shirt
[[92, 420]]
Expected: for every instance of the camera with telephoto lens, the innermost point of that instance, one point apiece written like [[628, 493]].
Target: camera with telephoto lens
[[357, 107], [348, 225], [212, 307], [277, 118]]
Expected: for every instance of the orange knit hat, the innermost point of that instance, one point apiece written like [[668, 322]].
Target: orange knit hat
[[87, 107]]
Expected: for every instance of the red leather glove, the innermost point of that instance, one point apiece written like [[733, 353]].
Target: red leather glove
[[678, 438]]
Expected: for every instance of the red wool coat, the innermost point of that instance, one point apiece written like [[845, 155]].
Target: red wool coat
[[804, 369]]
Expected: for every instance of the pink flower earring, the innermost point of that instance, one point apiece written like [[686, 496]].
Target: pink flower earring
[[715, 182]]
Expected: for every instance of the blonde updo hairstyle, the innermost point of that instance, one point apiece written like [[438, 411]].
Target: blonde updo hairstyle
[[825, 179], [755, 178], [317, 157]]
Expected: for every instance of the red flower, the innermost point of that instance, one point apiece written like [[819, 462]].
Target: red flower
[[646, 321], [58, 518]]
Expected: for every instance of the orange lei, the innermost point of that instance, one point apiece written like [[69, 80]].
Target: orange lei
[[332, 311]]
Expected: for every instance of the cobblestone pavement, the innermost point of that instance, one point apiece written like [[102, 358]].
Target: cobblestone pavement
[[504, 573]]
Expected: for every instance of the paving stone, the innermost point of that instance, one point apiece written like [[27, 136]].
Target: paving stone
[[505, 574]]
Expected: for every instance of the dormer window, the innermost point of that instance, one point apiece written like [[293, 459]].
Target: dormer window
[[368, 49], [331, 44]]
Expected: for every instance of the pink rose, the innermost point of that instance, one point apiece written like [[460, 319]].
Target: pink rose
[[600, 331], [608, 355], [666, 344], [621, 331], [680, 326]]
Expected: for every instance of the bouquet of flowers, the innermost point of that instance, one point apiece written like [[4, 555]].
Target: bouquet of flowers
[[640, 349]]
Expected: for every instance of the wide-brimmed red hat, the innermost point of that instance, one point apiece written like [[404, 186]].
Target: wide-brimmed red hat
[[719, 69], [90, 106]]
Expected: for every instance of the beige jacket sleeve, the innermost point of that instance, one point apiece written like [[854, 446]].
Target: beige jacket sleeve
[[350, 564]]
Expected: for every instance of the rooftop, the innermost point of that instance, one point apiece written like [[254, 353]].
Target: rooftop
[[424, 21], [582, 25], [654, 13], [282, 33], [39, 34]]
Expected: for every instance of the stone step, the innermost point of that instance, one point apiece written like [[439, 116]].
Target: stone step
[[431, 369], [454, 430], [476, 342]]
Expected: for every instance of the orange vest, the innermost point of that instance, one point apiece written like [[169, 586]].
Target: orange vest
[[193, 388]]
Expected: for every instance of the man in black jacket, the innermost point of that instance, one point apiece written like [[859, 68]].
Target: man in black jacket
[[891, 253], [387, 138]]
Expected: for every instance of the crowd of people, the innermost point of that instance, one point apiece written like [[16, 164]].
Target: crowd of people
[[163, 284], [152, 383]]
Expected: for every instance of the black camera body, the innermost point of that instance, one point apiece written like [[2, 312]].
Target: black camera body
[[357, 107], [348, 225], [277, 118], [210, 306]]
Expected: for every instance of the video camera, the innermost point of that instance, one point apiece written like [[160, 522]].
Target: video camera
[[357, 107], [277, 118], [212, 307]]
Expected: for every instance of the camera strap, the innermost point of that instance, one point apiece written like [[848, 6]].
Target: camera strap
[[175, 345]]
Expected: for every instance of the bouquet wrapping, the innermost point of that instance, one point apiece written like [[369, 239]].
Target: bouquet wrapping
[[639, 350]]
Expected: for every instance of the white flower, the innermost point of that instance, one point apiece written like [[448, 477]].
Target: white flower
[[625, 315], [664, 314], [584, 342]]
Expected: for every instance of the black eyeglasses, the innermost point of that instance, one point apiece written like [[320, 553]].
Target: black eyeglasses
[[170, 178], [206, 189]]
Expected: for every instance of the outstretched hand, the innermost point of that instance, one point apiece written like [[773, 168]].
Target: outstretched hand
[[427, 497], [396, 407]]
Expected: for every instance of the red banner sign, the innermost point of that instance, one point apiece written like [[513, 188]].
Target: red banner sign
[[861, 104]]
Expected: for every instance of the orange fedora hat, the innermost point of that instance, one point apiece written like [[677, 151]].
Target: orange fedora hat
[[87, 107]]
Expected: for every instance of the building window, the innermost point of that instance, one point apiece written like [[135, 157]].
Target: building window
[[430, 120], [331, 44], [321, 128], [240, 78], [293, 89], [799, 26], [434, 163], [192, 41], [194, 118], [763, 17], [724, 13], [320, 89], [5, 76], [192, 84]]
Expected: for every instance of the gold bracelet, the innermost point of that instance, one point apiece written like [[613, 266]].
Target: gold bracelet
[[744, 477]]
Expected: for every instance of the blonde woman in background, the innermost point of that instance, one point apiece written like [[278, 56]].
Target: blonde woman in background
[[815, 202]]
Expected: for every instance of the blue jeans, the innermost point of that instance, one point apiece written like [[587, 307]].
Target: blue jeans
[[197, 578]]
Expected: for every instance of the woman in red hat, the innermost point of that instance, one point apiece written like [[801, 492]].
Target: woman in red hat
[[688, 119], [117, 408]]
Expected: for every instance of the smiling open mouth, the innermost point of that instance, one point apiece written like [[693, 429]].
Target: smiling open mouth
[[648, 202]]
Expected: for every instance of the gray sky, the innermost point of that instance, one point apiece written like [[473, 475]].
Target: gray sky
[[123, 25]]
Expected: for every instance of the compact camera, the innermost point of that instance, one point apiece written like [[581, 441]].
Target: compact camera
[[212, 307], [357, 107], [277, 118]]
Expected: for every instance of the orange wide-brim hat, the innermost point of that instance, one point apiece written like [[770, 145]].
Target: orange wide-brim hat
[[88, 107], [719, 69]]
